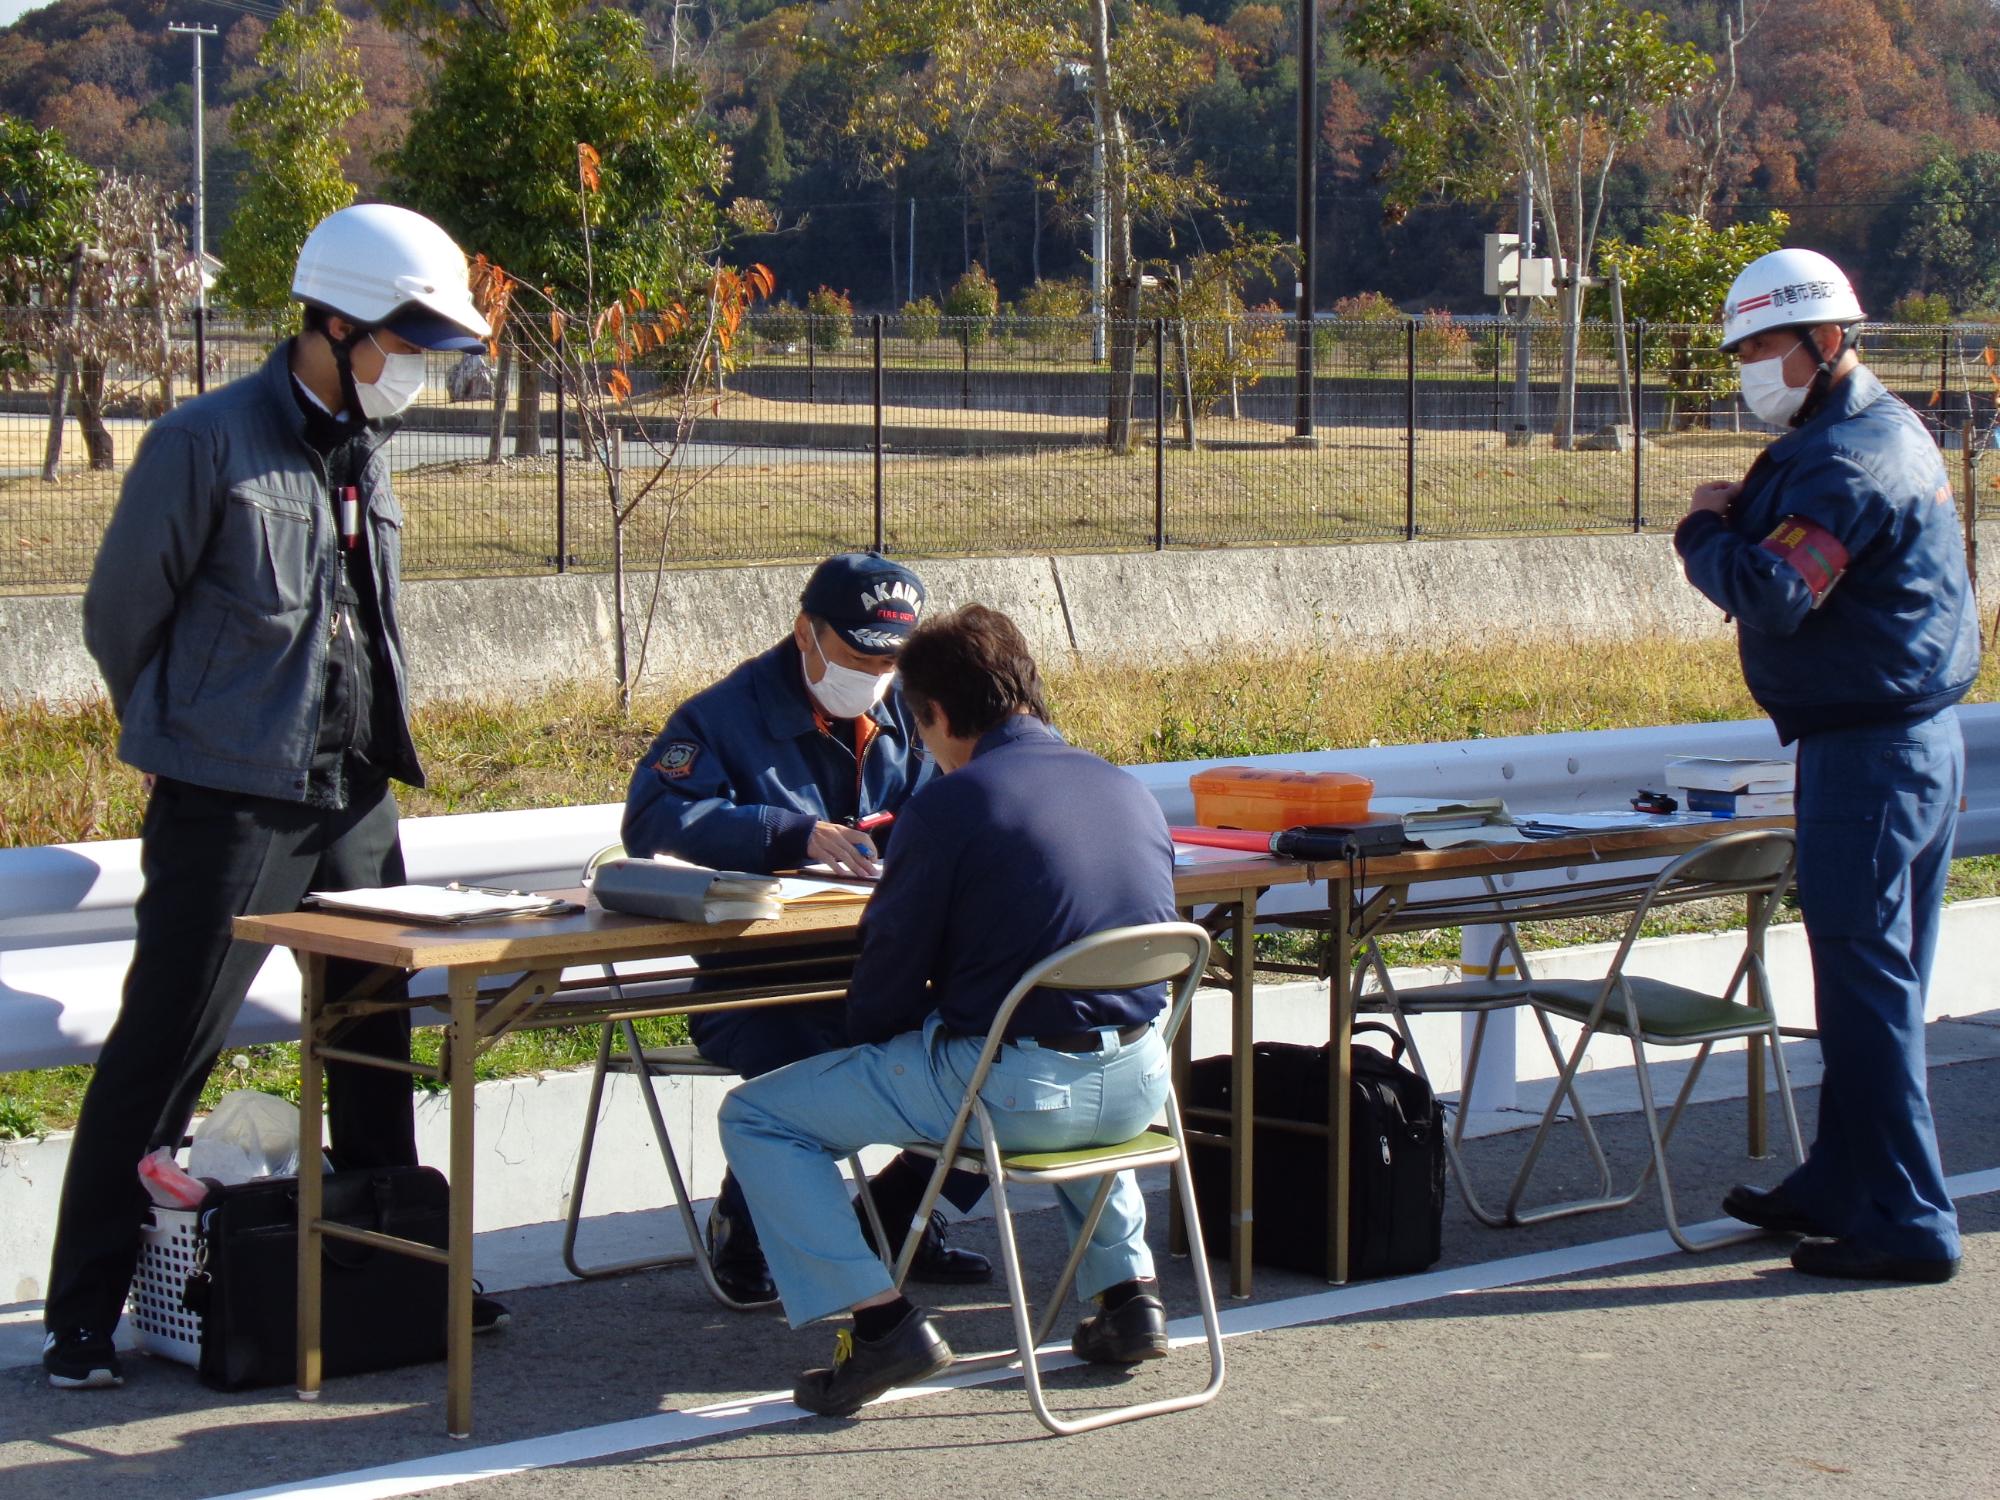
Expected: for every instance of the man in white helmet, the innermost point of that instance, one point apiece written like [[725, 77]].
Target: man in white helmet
[[243, 613], [1841, 558]]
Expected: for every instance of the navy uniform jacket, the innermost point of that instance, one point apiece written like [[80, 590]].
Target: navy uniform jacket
[[744, 769], [1027, 847], [1893, 638]]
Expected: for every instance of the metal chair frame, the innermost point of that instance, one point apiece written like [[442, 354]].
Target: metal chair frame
[[1757, 864], [1120, 958], [645, 1065]]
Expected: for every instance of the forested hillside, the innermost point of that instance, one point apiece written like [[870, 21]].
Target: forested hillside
[[1874, 123]]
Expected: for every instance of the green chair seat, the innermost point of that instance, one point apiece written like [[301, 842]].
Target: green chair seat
[[1666, 1011], [1146, 1143]]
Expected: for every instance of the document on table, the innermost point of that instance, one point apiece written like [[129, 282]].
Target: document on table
[[440, 904]]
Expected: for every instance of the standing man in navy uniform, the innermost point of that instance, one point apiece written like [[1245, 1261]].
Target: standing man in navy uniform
[[1839, 555], [802, 754]]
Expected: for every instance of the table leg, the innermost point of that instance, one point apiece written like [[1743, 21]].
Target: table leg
[[1759, 1123], [311, 1190], [1242, 1097], [1340, 1076], [461, 1042]]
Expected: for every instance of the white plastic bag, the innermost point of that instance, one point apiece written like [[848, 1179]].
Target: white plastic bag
[[249, 1135]]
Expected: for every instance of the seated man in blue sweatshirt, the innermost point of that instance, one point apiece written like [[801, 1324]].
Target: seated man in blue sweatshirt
[[1024, 846], [798, 756]]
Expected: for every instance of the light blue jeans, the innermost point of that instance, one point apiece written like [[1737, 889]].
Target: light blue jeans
[[786, 1133]]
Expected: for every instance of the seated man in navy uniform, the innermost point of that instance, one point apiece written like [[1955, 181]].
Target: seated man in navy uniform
[[800, 755], [1023, 846]]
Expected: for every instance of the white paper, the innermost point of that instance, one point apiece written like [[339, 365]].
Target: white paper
[[430, 903]]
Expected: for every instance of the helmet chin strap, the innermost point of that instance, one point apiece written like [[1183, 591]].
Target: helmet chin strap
[[343, 359], [1822, 381]]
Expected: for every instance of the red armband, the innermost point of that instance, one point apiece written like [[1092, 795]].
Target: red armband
[[1812, 551]]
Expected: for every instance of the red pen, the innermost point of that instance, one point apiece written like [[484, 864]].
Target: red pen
[[350, 516], [874, 821]]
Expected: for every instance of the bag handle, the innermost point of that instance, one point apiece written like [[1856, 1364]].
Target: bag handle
[[1395, 1037]]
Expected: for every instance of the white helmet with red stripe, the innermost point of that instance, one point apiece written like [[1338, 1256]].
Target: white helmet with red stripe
[[1787, 289]]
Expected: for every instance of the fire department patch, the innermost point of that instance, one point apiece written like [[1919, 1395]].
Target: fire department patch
[[677, 759], [1812, 551]]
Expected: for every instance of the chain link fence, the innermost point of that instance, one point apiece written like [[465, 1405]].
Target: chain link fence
[[932, 436]]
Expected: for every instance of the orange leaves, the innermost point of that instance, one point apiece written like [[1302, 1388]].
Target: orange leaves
[[589, 167], [618, 386], [493, 294]]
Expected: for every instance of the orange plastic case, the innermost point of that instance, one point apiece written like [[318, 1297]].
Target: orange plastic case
[[1271, 801]]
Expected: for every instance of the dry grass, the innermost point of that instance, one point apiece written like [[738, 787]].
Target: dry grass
[[60, 779]]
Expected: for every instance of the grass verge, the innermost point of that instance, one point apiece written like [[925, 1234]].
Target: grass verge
[[60, 780]]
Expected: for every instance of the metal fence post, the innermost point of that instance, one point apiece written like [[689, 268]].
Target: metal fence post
[[1409, 429], [562, 470], [1638, 425], [812, 371], [1969, 456], [875, 328], [1159, 435]]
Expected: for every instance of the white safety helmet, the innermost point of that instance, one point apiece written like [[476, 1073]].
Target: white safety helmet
[[1787, 289], [376, 264]]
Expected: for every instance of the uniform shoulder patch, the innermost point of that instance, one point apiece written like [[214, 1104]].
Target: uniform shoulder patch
[[1812, 551], [677, 759]]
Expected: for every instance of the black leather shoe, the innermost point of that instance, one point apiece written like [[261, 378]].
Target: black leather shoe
[[936, 1262], [738, 1260], [864, 1368], [1770, 1210], [1852, 1262], [489, 1314], [1124, 1335]]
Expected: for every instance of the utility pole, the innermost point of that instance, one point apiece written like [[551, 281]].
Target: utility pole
[[200, 211], [1302, 429], [1524, 310]]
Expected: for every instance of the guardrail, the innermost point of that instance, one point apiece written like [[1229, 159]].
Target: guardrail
[[66, 910]]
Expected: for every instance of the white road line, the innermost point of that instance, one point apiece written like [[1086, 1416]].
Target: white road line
[[673, 1428]]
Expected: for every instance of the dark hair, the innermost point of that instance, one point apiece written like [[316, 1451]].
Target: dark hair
[[972, 665]]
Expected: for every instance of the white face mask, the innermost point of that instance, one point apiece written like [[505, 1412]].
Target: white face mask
[[400, 383], [843, 692], [1766, 393]]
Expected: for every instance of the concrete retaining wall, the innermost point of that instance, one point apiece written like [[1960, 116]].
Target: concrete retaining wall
[[499, 635]]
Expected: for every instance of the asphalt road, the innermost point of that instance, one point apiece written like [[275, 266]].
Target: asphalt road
[[1582, 1361]]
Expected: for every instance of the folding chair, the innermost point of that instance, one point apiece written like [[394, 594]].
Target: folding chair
[[645, 1064], [1757, 865], [1121, 958]]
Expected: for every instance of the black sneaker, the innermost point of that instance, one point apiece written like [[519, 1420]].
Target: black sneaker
[[1770, 1210], [1134, 1330], [866, 1368], [79, 1360], [489, 1313], [1851, 1262]]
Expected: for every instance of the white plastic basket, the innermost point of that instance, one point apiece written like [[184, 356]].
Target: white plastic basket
[[166, 1260]]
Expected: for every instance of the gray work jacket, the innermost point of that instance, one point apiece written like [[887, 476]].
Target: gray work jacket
[[211, 605]]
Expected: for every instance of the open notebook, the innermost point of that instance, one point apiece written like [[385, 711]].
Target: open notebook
[[681, 892]]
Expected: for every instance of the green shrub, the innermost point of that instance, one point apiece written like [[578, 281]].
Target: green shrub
[[832, 318], [921, 320], [972, 304], [1921, 307], [782, 325], [1367, 327], [1441, 339]]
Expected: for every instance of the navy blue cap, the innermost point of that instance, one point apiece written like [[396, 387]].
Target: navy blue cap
[[428, 330], [870, 602]]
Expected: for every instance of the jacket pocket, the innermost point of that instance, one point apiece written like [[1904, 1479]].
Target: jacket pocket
[[264, 552], [385, 519]]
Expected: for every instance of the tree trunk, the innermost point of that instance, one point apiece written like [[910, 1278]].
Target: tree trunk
[[160, 321], [528, 412], [1122, 276], [1572, 301], [59, 397], [496, 431], [90, 415]]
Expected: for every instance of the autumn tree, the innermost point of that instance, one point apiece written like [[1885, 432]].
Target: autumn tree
[[491, 154], [292, 126], [1495, 92]]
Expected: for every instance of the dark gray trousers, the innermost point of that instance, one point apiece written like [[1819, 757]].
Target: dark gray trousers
[[208, 857]]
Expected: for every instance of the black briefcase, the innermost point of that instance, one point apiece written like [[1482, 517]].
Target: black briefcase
[[1395, 1161], [380, 1309]]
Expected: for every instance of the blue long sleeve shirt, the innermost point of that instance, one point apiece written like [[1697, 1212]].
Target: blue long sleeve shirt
[[744, 770], [1027, 847]]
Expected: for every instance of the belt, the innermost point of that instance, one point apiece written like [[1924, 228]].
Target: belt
[[1085, 1041]]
